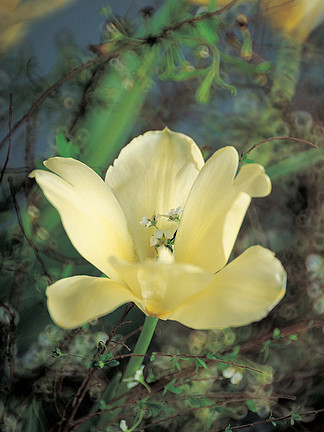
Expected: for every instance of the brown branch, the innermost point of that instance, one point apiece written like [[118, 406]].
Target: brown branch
[[280, 138], [121, 322], [189, 356], [9, 136], [285, 332], [36, 105], [194, 20], [21, 225], [270, 420]]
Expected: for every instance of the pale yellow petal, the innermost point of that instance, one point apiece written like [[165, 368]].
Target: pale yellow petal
[[76, 300], [153, 174], [295, 18], [215, 209], [90, 213], [243, 292], [161, 286]]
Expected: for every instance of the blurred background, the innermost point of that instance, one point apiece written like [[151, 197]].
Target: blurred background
[[81, 79]]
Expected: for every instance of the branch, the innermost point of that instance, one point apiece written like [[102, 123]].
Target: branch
[[279, 138], [21, 225], [9, 136]]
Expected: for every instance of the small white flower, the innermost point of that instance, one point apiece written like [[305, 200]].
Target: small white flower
[[139, 374], [236, 378], [145, 222], [234, 375], [229, 372], [123, 426], [161, 238], [174, 214], [137, 378]]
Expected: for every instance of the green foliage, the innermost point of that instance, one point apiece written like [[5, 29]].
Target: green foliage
[[65, 147], [151, 72], [200, 363], [172, 389]]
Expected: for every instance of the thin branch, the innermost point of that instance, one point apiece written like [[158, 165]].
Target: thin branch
[[189, 356], [271, 420], [285, 332], [280, 138], [121, 322], [36, 105], [194, 20], [21, 225], [9, 136]]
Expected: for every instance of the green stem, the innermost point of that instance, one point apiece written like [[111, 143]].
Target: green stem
[[141, 347], [133, 365]]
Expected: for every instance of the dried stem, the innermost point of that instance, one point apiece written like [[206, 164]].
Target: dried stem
[[21, 225], [9, 136], [280, 138]]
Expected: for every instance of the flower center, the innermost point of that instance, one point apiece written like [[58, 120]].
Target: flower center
[[161, 237]]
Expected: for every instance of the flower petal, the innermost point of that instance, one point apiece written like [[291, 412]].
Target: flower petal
[[244, 291], [161, 286], [76, 300], [90, 213], [295, 18], [215, 209], [153, 174]]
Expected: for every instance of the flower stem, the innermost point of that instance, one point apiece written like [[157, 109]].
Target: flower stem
[[133, 365], [141, 347]]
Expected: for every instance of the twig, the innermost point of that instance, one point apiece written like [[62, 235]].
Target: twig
[[189, 356], [9, 136], [270, 420], [196, 19], [121, 322], [35, 106], [21, 225], [287, 331], [280, 138]]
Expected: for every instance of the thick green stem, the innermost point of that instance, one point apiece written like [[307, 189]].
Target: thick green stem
[[133, 365], [141, 347]]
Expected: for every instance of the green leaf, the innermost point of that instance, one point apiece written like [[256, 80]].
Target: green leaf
[[276, 334], [265, 349], [153, 355], [294, 417], [200, 363], [245, 160], [228, 428], [211, 356], [172, 389], [175, 363], [251, 405], [113, 363]]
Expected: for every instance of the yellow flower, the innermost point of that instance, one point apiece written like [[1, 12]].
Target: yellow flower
[[16, 17], [294, 18], [161, 176]]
